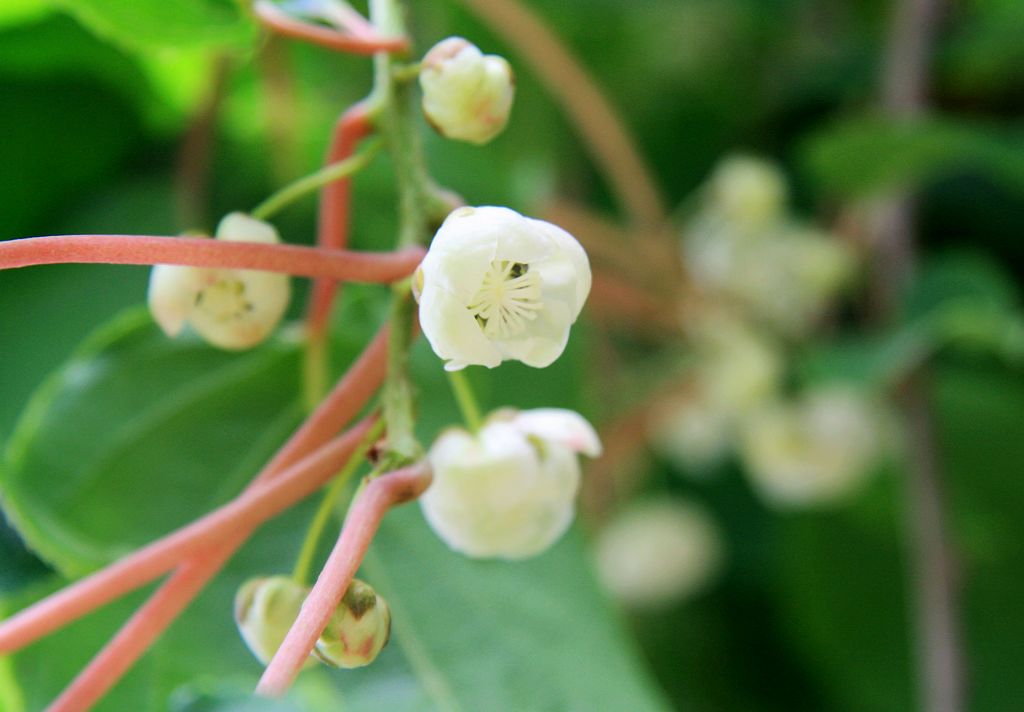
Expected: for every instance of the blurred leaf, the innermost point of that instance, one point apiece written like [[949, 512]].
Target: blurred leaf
[[865, 156], [148, 24], [138, 434], [984, 51]]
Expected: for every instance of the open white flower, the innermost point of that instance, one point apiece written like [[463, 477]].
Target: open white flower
[[509, 491], [816, 450], [495, 285], [467, 95], [230, 308]]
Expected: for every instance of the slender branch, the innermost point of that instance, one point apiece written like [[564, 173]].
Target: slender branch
[[600, 126], [300, 261], [939, 646], [330, 173], [363, 43], [368, 509]]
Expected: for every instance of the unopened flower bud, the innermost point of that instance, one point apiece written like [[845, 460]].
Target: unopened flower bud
[[816, 450], [467, 95], [358, 630], [509, 490], [230, 308], [495, 285], [265, 609], [658, 552]]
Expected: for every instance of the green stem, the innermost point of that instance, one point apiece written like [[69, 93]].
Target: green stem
[[463, 392], [329, 504], [314, 181]]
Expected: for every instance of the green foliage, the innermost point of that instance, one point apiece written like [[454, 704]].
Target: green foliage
[[866, 156]]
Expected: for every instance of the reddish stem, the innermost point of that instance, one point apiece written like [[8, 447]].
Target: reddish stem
[[201, 252], [245, 513], [359, 39], [364, 517], [351, 127], [346, 399]]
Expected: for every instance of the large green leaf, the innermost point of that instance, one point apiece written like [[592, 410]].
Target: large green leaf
[[139, 433], [149, 24]]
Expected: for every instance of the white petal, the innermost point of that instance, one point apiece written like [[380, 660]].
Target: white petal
[[239, 227], [452, 331], [562, 426], [543, 341], [578, 269]]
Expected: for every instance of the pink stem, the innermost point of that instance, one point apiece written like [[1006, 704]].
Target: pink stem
[[359, 42], [199, 252], [142, 630], [245, 513], [346, 399], [333, 230], [364, 517]]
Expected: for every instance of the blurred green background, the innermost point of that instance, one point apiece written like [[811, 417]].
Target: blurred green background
[[127, 118]]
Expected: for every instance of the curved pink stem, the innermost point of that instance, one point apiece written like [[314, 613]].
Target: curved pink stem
[[199, 252], [364, 517], [245, 513], [360, 41]]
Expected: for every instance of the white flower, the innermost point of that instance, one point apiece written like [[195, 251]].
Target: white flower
[[467, 95], [509, 491], [495, 285], [230, 308], [658, 552], [816, 450]]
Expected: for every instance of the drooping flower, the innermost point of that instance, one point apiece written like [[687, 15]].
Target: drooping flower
[[508, 491], [230, 308], [495, 285], [659, 551], [814, 451], [358, 630], [467, 95]]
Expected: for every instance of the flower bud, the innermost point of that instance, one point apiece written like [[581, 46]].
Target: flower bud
[[358, 630], [467, 95], [509, 490], [658, 552], [265, 609], [748, 190], [817, 450], [495, 285], [230, 308]]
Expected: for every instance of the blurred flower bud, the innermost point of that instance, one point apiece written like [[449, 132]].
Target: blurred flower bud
[[748, 190], [265, 609], [693, 431], [467, 95], [657, 552], [508, 491], [816, 450], [358, 630], [737, 365], [495, 285], [230, 308]]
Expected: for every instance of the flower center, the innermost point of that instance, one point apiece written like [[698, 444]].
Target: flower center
[[224, 300], [508, 298]]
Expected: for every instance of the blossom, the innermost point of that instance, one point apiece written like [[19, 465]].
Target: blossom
[[467, 95], [265, 609], [509, 490], [659, 551], [358, 630], [230, 308], [816, 450], [495, 285]]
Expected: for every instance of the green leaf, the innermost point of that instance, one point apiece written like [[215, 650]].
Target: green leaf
[[149, 24], [138, 434], [865, 156]]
